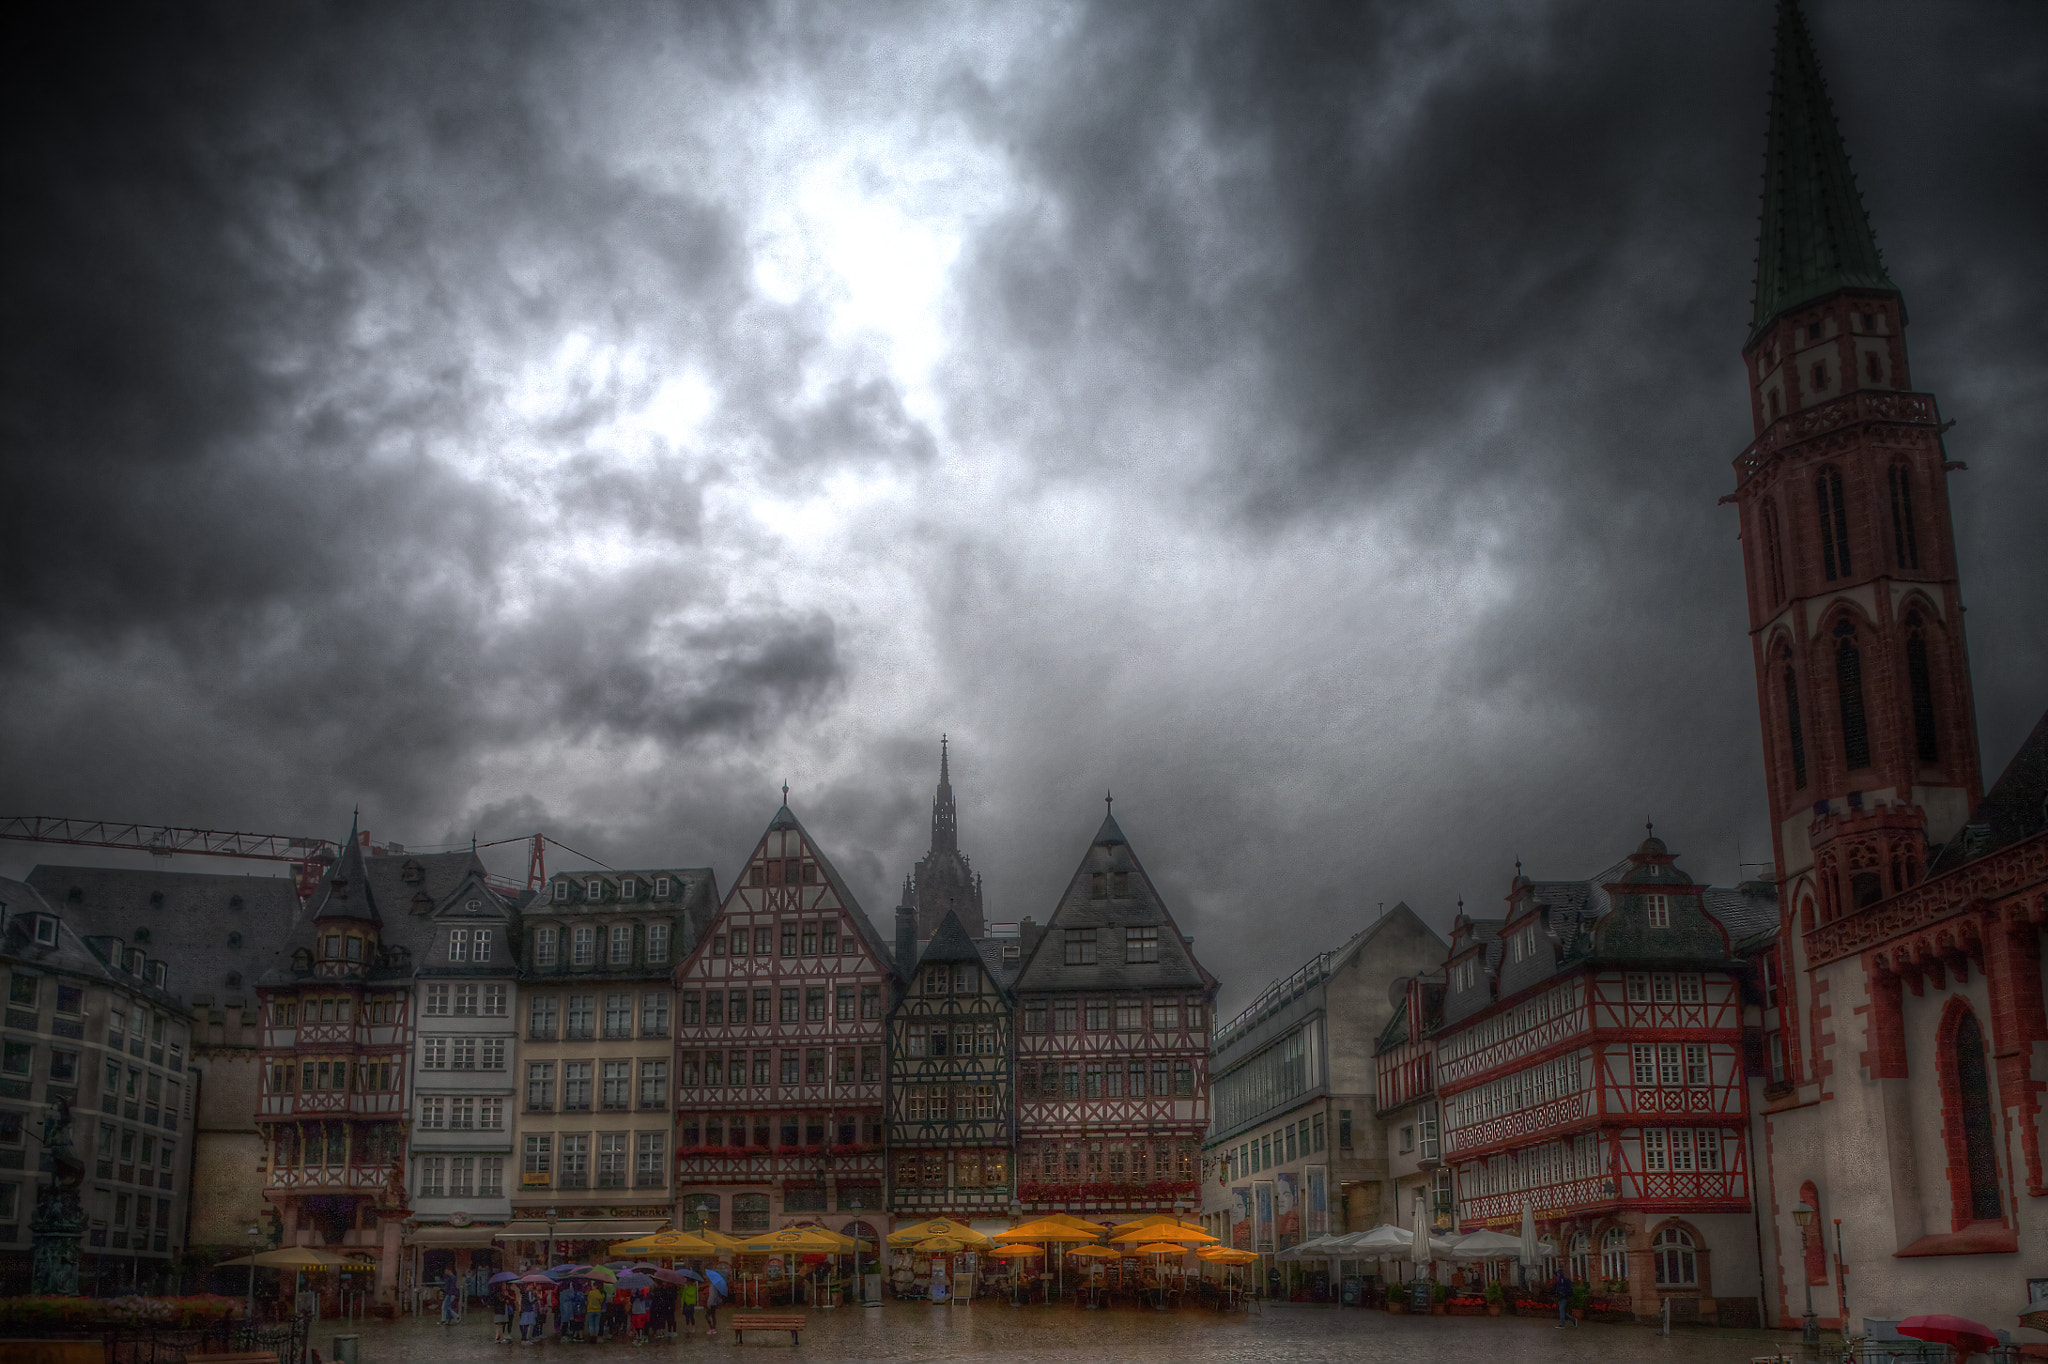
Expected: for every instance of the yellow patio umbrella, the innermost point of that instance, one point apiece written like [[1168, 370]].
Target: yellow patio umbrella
[[1159, 1248], [939, 1245], [1014, 1252], [1225, 1255], [1094, 1253], [1156, 1219], [1045, 1229], [1069, 1220], [793, 1241], [847, 1244], [722, 1244], [939, 1226], [1176, 1232], [664, 1243]]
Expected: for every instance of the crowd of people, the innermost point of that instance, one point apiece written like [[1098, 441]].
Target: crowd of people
[[592, 1311]]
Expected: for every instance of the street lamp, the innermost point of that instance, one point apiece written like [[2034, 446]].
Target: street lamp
[[550, 1214], [255, 1236], [1809, 1333]]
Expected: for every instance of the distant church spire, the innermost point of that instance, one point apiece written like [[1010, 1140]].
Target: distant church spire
[[943, 880], [945, 820], [1815, 237]]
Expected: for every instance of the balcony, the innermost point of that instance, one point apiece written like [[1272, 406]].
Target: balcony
[[331, 1179]]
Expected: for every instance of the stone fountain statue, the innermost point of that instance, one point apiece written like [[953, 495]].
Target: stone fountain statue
[[59, 1216]]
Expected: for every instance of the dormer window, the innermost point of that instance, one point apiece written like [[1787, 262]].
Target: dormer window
[[46, 931], [421, 904], [302, 960], [1657, 908], [141, 935], [160, 974], [234, 980], [561, 891], [595, 890], [156, 899], [661, 887], [412, 873], [339, 887], [234, 902], [458, 944], [138, 963], [234, 940], [483, 944], [355, 948], [626, 888], [333, 946]]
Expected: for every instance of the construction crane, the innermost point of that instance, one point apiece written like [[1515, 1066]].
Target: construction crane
[[310, 856]]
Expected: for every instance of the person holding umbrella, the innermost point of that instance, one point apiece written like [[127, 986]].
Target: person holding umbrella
[[715, 1292], [688, 1304], [502, 1305], [1561, 1286]]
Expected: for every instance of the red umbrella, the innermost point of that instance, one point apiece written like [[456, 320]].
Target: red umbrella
[[1967, 1336]]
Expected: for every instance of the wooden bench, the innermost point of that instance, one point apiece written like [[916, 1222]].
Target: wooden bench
[[792, 1322]]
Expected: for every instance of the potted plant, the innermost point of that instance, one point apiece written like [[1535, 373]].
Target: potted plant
[[1496, 1300], [1439, 1295], [1582, 1294]]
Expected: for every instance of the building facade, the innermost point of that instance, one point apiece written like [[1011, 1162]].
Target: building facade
[[597, 1057], [781, 1030], [92, 1034], [1112, 1046], [1902, 1103], [1590, 1068], [1292, 1151], [951, 1106], [1405, 1105]]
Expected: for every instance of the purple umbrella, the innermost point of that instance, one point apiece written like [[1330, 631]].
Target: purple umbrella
[[635, 1281], [505, 1276], [677, 1276]]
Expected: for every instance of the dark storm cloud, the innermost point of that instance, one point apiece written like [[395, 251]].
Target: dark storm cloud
[[1324, 452]]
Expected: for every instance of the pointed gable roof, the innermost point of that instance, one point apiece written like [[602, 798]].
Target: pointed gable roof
[[949, 944], [346, 892], [785, 820], [1815, 237], [1140, 907], [2015, 807]]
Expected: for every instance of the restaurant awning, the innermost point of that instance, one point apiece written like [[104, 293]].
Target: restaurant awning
[[477, 1237], [579, 1228]]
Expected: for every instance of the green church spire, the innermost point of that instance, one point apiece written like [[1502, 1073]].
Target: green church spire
[[1815, 236]]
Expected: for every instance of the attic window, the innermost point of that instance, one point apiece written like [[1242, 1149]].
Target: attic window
[[627, 888], [161, 974], [46, 930], [234, 940], [234, 980], [473, 905], [339, 887], [412, 873], [1658, 908], [561, 890], [595, 890], [420, 903], [156, 899], [661, 887], [141, 935], [234, 902], [76, 895], [302, 960]]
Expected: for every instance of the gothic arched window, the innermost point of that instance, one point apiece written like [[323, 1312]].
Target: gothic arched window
[[1971, 1124], [1673, 1252], [1774, 559], [1834, 523], [1920, 685], [1793, 729], [1904, 545], [1849, 694]]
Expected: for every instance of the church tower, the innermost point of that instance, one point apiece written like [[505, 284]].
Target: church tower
[[1856, 613], [944, 882]]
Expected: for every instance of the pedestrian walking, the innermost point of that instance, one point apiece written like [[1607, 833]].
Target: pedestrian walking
[[501, 1314], [642, 1308], [687, 1301], [714, 1294], [451, 1298], [1561, 1286]]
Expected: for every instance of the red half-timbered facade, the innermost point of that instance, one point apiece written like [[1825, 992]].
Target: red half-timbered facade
[[1592, 1070], [337, 1035], [1112, 1047], [781, 1015]]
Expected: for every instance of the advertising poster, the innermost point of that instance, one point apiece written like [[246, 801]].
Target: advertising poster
[[1262, 1215], [1241, 1217], [1316, 1201], [1286, 1210]]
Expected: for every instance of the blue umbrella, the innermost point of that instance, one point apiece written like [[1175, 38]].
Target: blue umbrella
[[717, 1281]]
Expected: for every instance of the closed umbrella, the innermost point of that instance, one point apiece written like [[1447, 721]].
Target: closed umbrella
[[1529, 1254], [1419, 1252]]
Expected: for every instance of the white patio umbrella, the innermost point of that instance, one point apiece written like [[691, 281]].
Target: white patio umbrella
[[1383, 1242], [1485, 1245], [1530, 1255]]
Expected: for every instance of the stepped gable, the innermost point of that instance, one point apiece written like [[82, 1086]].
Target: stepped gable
[[1111, 905], [217, 933]]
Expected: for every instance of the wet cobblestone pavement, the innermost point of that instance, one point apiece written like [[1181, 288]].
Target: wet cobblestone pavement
[[998, 1334]]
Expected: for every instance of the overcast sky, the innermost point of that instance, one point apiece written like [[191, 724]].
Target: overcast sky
[[1306, 422]]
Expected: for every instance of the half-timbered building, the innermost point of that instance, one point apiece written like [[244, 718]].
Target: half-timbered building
[[782, 1012], [951, 1115], [337, 1037], [1595, 1074], [1113, 1046]]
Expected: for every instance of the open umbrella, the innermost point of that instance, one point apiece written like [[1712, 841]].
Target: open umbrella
[[1019, 1252], [567, 1271], [1968, 1337], [535, 1278], [794, 1241], [665, 1243], [1485, 1245], [504, 1276], [938, 1226], [1096, 1253], [677, 1276], [596, 1273], [1046, 1229], [717, 1281], [1225, 1255], [1159, 1248], [1172, 1232], [291, 1257], [635, 1281], [939, 1245], [2035, 1318]]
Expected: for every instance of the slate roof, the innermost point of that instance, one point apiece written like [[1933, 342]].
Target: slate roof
[[70, 954], [1045, 967], [883, 951], [2015, 807], [950, 943], [1002, 970], [1814, 237], [192, 918], [1749, 911]]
